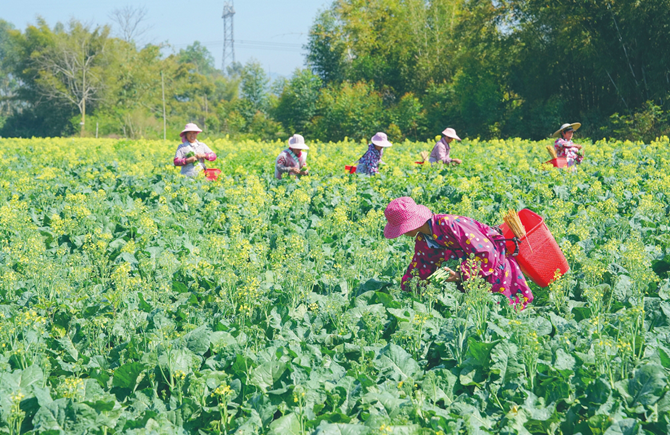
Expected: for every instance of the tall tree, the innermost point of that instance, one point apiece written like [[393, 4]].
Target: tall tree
[[73, 69], [130, 23]]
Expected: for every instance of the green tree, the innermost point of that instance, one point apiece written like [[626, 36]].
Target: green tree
[[349, 110], [197, 55], [297, 103]]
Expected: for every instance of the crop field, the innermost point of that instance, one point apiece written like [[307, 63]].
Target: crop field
[[133, 300]]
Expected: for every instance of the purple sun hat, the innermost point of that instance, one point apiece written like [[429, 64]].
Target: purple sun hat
[[403, 215]]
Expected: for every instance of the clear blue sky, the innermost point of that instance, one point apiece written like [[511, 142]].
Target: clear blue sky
[[180, 23]]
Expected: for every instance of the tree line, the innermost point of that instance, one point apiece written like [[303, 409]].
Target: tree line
[[407, 67]]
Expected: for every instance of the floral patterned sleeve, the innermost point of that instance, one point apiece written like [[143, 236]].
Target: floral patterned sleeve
[[473, 242], [559, 146]]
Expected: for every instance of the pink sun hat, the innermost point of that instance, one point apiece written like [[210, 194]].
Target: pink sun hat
[[381, 140], [190, 127], [450, 132], [402, 215]]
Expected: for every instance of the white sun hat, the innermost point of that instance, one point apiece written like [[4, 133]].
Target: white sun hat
[[450, 132], [575, 126], [297, 142], [381, 140], [190, 127]]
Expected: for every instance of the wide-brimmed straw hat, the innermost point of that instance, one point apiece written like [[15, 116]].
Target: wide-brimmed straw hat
[[450, 132], [403, 215], [381, 140], [574, 126], [190, 127], [297, 142]]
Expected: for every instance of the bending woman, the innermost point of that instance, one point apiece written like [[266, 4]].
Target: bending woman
[[444, 237], [192, 153], [369, 163]]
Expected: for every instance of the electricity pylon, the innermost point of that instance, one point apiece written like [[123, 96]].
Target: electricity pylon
[[228, 35]]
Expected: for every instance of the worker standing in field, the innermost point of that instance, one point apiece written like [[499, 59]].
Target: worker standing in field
[[444, 238], [564, 146], [442, 148], [191, 153], [293, 160], [369, 163]]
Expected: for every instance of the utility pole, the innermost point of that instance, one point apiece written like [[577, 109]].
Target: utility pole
[[228, 34], [164, 119]]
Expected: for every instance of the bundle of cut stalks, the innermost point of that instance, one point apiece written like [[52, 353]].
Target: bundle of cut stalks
[[551, 151], [424, 155], [514, 223]]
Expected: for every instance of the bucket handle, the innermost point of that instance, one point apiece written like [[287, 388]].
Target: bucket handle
[[516, 245], [516, 241]]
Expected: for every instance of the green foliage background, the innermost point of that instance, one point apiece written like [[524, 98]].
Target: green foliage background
[[512, 68]]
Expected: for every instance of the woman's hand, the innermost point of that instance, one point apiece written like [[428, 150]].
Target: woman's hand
[[295, 171], [456, 161], [191, 160], [201, 156], [453, 276]]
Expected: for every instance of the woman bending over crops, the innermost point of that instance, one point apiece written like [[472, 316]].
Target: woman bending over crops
[[442, 149], [564, 145], [192, 153], [369, 163], [446, 238], [293, 160]]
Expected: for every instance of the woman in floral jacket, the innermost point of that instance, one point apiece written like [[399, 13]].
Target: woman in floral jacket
[[369, 163], [440, 238], [293, 160], [565, 147]]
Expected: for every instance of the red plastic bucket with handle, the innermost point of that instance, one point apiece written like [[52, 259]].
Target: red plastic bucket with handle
[[212, 174], [350, 169], [558, 162], [539, 255]]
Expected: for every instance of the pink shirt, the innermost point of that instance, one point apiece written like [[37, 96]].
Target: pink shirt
[[440, 152]]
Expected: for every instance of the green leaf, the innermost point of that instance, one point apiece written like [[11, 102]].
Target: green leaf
[[395, 363], [286, 425], [504, 358], [563, 361], [265, 375], [126, 375], [197, 341], [479, 353], [68, 347], [21, 379], [179, 287], [647, 386], [326, 428]]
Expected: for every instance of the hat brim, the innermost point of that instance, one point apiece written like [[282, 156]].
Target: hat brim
[[299, 147], [186, 131], [382, 143], [419, 218], [575, 126], [448, 134]]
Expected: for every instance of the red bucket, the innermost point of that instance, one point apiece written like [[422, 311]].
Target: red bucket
[[539, 255], [558, 162], [350, 169], [419, 163], [212, 174]]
